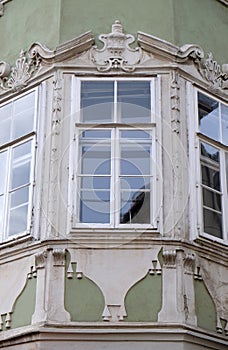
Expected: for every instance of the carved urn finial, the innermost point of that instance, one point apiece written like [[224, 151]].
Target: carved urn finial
[[117, 27]]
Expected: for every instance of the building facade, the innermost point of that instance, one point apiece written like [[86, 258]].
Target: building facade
[[114, 175]]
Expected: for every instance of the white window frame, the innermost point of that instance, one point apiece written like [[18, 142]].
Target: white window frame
[[154, 127], [8, 147], [196, 198]]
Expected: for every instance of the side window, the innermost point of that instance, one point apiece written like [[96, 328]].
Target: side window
[[213, 138], [17, 132], [116, 150]]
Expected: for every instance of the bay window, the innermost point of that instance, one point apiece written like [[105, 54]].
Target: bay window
[[116, 156], [17, 130]]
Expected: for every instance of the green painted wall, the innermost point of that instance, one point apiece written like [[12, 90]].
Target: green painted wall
[[202, 22], [27, 21], [144, 300], [24, 306], [83, 298], [151, 16], [51, 22], [205, 307]]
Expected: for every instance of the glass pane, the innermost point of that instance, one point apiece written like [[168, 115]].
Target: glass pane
[[23, 123], [95, 160], [224, 111], [227, 171], [95, 182], [96, 134], [212, 199], [1, 214], [136, 183], [210, 152], [135, 207], [135, 160], [134, 101], [208, 110], [212, 223], [135, 134], [19, 197], [21, 165], [3, 173], [210, 177], [95, 207], [5, 123], [97, 98], [24, 103], [18, 220], [5, 131]]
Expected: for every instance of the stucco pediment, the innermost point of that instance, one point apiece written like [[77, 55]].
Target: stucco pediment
[[120, 54]]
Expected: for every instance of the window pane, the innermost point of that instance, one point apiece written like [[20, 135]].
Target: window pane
[[135, 160], [3, 160], [18, 211], [97, 98], [210, 152], [95, 207], [95, 160], [96, 134], [227, 171], [25, 102], [208, 110], [212, 199], [212, 223], [21, 164], [5, 123], [135, 207], [134, 101], [224, 111], [19, 197], [1, 214], [210, 177], [23, 123], [18, 220], [136, 183], [135, 134], [95, 182]]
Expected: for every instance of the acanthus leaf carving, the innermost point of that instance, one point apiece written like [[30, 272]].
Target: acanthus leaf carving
[[17, 77], [212, 72], [116, 53]]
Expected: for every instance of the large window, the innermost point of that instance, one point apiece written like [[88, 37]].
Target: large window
[[213, 135], [17, 125], [116, 157]]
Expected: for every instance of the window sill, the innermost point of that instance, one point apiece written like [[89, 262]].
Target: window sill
[[139, 237]]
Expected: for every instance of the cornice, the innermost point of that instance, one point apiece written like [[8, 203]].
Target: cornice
[[115, 57]]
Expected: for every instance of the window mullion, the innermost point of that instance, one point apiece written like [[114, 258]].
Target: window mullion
[[115, 177]]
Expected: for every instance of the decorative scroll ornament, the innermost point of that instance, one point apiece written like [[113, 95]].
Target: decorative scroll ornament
[[116, 53], [212, 72], [169, 258], [17, 77]]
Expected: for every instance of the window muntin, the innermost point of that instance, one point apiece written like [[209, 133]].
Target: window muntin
[[115, 176], [17, 132], [213, 126]]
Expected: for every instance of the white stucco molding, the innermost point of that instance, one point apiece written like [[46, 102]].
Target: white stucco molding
[[115, 57]]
